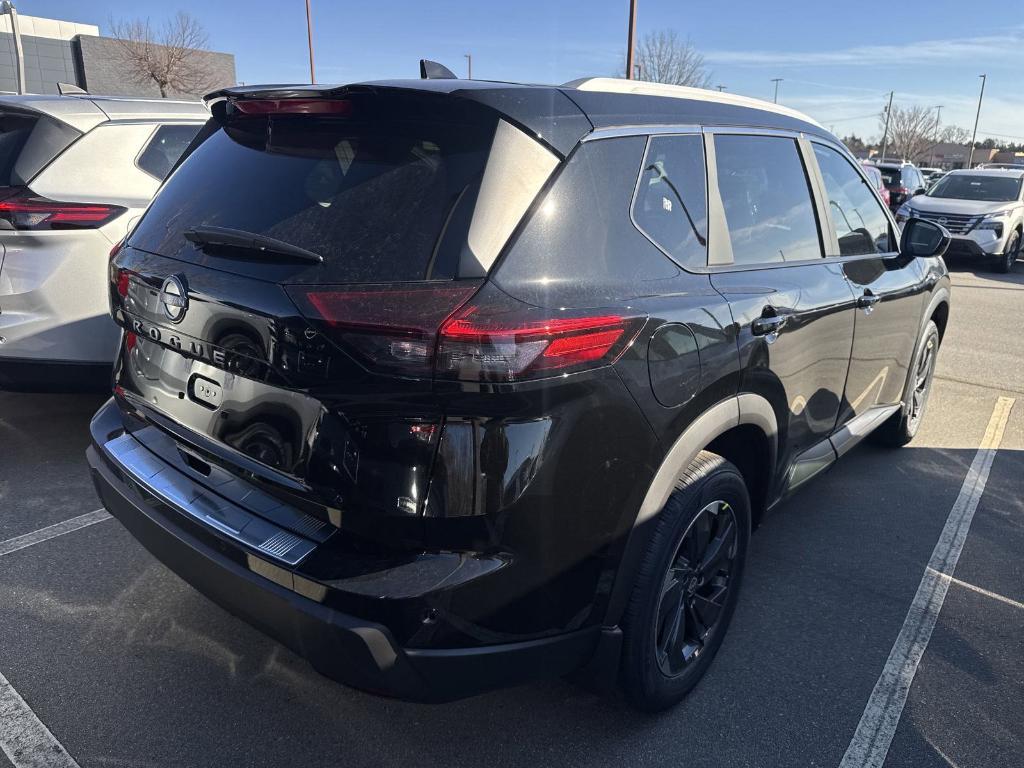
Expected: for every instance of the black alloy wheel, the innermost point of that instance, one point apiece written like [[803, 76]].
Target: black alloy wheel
[[696, 587], [687, 584]]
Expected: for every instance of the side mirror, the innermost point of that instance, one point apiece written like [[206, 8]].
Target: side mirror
[[922, 238], [920, 191]]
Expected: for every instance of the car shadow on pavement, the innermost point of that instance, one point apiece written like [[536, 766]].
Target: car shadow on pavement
[[154, 671]]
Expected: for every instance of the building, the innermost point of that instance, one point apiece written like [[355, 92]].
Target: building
[[68, 52]]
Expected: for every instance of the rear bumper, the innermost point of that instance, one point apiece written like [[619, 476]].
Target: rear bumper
[[349, 649]]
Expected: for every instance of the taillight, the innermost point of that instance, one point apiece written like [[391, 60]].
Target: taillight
[[27, 211], [421, 329], [902, 191], [498, 339], [391, 328]]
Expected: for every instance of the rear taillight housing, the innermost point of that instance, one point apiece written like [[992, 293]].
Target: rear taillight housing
[[437, 329], [26, 211]]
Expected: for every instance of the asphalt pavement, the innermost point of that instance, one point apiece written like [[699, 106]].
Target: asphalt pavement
[[123, 664]]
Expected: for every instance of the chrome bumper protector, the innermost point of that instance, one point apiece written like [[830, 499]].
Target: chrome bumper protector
[[179, 491]]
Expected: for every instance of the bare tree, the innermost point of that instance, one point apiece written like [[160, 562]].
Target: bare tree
[[664, 58], [955, 134], [913, 132], [170, 57]]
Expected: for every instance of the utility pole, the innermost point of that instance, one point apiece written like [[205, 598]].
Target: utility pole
[[977, 115], [7, 7], [309, 36], [885, 133], [469, 65], [938, 119], [632, 40], [720, 88], [776, 80]]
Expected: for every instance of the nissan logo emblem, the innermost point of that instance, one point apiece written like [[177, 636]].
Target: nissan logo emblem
[[173, 298], [942, 220]]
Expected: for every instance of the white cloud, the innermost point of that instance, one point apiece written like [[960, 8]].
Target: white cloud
[[1010, 44]]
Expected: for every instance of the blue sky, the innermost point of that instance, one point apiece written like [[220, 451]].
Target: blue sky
[[838, 60]]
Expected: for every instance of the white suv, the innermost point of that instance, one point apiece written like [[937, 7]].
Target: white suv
[[75, 173], [983, 209]]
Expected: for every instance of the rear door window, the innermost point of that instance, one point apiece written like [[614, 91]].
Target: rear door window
[[164, 149], [860, 223], [382, 194], [671, 205], [767, 200]]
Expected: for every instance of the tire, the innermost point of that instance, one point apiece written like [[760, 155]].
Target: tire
[[1005, 262], [901, 427], [659, 666]]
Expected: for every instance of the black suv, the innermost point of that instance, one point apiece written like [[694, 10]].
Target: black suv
[[447, 385], [903, 180]]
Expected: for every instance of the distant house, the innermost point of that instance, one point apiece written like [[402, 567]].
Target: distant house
[[68, 52]]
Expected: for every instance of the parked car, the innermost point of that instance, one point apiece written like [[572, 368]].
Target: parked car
[[903, 180], [448, 385], [875, 177], [75, 171], [983, 211], [1003, 166]]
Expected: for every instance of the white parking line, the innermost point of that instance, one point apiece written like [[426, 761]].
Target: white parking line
[[870, 743], [52, 531], [23, 737], [978, 590]]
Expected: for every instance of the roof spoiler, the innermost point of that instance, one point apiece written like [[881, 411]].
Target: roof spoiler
[[67, 89], [431, 70]]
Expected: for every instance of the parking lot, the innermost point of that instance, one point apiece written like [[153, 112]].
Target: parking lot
[[128, 666]]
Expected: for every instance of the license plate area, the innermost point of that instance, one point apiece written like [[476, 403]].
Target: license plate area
[[207, 392]]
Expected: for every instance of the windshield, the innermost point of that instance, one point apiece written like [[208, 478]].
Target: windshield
[[992, 189]]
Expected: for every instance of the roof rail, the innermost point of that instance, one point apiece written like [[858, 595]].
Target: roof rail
[[643, 87]]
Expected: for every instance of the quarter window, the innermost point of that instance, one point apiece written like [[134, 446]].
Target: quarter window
[[766, 199], [861, 225], [164, 149], [671, 205]]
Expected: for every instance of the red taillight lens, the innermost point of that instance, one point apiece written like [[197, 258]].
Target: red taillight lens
[[392, 328], [902, 191], [417, 329], [256, 107], [498, 339], [26, 211]]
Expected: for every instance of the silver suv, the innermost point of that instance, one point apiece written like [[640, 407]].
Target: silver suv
[[983, 209], [75, 173]]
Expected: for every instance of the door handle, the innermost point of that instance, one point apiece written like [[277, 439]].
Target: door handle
[[768, 324], [867, 301]]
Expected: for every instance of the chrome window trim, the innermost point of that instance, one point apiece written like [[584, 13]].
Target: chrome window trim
[[615, 132]]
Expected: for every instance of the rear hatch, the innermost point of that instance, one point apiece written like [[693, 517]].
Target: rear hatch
[[283, 294]]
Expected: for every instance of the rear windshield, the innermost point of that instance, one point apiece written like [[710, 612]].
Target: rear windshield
[[28, 142], [891, 176], [382, 193], [993, 189]]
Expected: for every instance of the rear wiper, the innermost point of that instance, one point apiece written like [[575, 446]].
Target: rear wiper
[[250, 242]]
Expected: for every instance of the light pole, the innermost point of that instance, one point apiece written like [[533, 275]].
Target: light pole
[[974, 136], [7, 7], [885, 132], [309, 37], [632, 40], [776, 80], [469, 65]]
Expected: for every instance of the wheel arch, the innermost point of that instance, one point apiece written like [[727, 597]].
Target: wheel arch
[[739, 426]]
